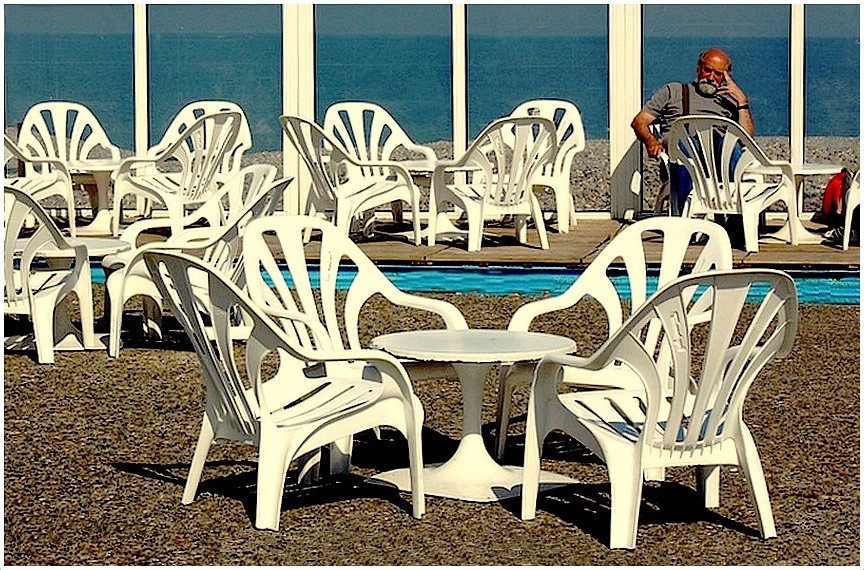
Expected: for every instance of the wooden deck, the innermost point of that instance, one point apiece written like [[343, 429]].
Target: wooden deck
[[391, 245]]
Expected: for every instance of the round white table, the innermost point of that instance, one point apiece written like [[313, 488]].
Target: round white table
[[471, 474], [100, 169], [800, 171]]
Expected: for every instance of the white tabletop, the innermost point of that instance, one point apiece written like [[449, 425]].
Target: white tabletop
[[473, 345], [96, 247], [418, 165], [805, 169]]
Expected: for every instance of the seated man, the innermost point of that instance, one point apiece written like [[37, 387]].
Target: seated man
[[713, 93]]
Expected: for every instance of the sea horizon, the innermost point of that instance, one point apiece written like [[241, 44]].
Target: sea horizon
[[33, 73]]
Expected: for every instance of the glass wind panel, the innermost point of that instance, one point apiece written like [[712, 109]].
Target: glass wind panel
[[397, 56], [518, 53], [70, 53], [217, 52], [833, 69], [832, 60], [756, 38]]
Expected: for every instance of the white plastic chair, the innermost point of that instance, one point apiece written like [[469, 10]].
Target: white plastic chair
[[570, 138], [372, 135], [43, 177], [65, 131], [705, 145], [499, 166], [219, 244], [277, 275], [183, 175], [851, 203], [192, 112], [40, 287], [313, 395], [344, 187], [699, 422], [673, 236], [68, 132]]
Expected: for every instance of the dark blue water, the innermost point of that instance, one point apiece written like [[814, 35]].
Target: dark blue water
[[410, 76], [831, 287]]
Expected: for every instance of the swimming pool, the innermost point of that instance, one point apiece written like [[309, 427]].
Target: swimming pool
[[815, 287]]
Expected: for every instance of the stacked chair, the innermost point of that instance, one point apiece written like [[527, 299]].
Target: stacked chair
[[254, 195], [185, 173], [343, 186], [499, 169], [41, 288], [372, 135], [64, 131], [570, 140]]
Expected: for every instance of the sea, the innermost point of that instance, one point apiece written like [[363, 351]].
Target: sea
[[410, 76]]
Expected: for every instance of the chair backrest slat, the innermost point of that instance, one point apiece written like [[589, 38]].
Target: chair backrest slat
[[752, 318]]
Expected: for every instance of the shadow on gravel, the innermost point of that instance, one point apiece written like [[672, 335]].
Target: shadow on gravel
[[236, 480], [587, 507]]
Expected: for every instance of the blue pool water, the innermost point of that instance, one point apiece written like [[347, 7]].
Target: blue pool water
[[822, 287]]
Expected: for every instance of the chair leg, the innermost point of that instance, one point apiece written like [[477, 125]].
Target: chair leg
[[475, 234], [310, 467], [562, 212], [43, 333], [535, 434], [708, 485], [114, 294], [152, 311], [751, 233], [847, 226], [537, 214], [273, 459], [751, 465], [414, 427], [205, 439], [625, 478], [84, 292], [340, 455], [505, 398], [521, 223]]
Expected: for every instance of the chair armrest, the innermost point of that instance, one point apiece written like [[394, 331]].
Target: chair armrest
[[427, 152], [133, 162], [132, 233], [385, 362], [453, 317]]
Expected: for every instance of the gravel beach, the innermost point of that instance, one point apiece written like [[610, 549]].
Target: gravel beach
[[96, 453]]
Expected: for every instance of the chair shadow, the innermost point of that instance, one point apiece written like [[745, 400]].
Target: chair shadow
[[388, 452], [587, 506]]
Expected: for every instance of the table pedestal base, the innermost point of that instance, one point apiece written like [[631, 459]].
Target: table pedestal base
[[479, 485], [784, 234], [100, 226]]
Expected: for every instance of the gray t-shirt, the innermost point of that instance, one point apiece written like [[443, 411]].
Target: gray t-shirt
[[667, 104]]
